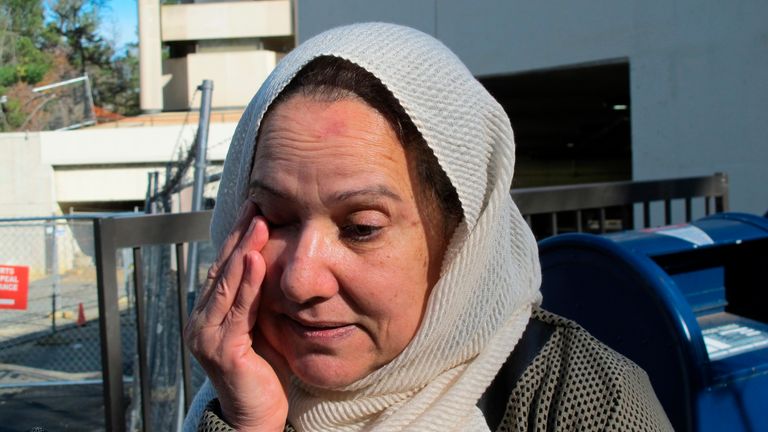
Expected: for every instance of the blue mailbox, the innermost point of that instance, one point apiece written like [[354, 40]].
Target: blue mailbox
[[688, 303]]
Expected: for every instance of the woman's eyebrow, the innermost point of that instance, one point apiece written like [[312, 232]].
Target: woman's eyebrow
[[373, 191], [260, 187]]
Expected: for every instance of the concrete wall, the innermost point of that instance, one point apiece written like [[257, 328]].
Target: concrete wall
[[95, 165], [150, 56], [40, 169], [103, 184], [176, 92], [129, 145], [237, 73], [697, 68], [222, 20], [236, 76], [26, 184]]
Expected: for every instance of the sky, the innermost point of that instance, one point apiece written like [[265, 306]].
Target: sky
[[120, 22]]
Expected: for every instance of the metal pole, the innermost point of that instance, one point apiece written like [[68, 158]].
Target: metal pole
[[59, 84], [141, 339], [55, 277], [109, 325], [201, 144], [148, 199], [200, 162], [156, 192], [167, 202], [186, 371]]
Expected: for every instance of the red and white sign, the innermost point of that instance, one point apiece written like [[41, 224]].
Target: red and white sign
[[14, 286]]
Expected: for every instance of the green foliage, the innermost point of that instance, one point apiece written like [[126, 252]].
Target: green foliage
[[114, 76], [13, 115], [33, 63], [125, 83], [76, 22], [21, 36], [8, 76], [27, 44], [25, 16]]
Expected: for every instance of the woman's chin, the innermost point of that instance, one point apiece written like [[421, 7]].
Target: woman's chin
[[327, 373]]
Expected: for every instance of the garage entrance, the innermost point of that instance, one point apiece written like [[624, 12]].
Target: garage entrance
[[572, 125]]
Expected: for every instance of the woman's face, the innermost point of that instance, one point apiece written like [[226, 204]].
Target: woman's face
[[351, 256]]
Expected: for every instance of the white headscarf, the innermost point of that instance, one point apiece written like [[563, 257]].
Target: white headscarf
[[490, 275]]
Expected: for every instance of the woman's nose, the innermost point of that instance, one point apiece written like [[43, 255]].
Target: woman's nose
[[307, 273]]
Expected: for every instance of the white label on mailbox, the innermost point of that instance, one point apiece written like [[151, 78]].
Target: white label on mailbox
[[689, 233], [731, 339]]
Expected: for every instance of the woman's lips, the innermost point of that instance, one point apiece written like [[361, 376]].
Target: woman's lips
[[320, 330]]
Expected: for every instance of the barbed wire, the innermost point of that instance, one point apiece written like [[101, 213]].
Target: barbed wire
[[184, 124], [177, 169]]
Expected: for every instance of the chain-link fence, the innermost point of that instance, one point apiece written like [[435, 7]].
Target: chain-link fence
[[50, 347], [64, 105], [164, 339]]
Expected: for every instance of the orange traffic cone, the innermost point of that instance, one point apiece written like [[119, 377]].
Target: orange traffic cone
[[80, 315]]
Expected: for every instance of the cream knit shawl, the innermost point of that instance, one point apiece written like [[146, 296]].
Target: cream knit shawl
[[490, 276]]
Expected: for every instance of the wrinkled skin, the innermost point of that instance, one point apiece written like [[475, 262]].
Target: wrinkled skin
[[328, 270]]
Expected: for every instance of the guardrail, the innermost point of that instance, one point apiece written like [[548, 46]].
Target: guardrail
[[544, 208]]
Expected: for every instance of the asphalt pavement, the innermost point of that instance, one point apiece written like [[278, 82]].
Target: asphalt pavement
[[62, 408]]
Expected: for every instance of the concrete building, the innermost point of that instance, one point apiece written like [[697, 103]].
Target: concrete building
[[97, 169], [234, 43], [597, 91], [689, 76]]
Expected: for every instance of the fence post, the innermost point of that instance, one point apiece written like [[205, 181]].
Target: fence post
[[109, 324], [197, 191], [54, 276]]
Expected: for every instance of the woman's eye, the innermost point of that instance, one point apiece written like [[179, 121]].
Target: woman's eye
[[359, 232]]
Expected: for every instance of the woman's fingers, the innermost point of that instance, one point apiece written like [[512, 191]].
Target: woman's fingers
[[244, 218], [247, 212], [220, 332], [227, 284], [242, 315], [230, 282]]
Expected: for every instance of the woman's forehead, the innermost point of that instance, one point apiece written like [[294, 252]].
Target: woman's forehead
[[326, 124], [303, 137]]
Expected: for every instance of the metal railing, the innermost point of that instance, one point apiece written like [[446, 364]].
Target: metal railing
[[175, 230], [112, 234], [50, 358], [556, 209]]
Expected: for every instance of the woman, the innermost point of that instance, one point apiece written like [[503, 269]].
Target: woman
[[379, 275]]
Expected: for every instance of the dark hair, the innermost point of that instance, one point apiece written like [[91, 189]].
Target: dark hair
[[329, 78]]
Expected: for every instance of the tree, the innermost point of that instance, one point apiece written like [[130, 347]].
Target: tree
[[33, 52], [21, 31], [118, 86], [22, 61], [76, 22], [114, 76]]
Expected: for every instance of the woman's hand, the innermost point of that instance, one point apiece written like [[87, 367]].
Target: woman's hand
[[220, 332]]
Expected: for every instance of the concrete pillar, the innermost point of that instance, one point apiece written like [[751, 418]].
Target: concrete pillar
[[150, 56]]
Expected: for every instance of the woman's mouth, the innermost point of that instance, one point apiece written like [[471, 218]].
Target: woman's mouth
[[319, 329]]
